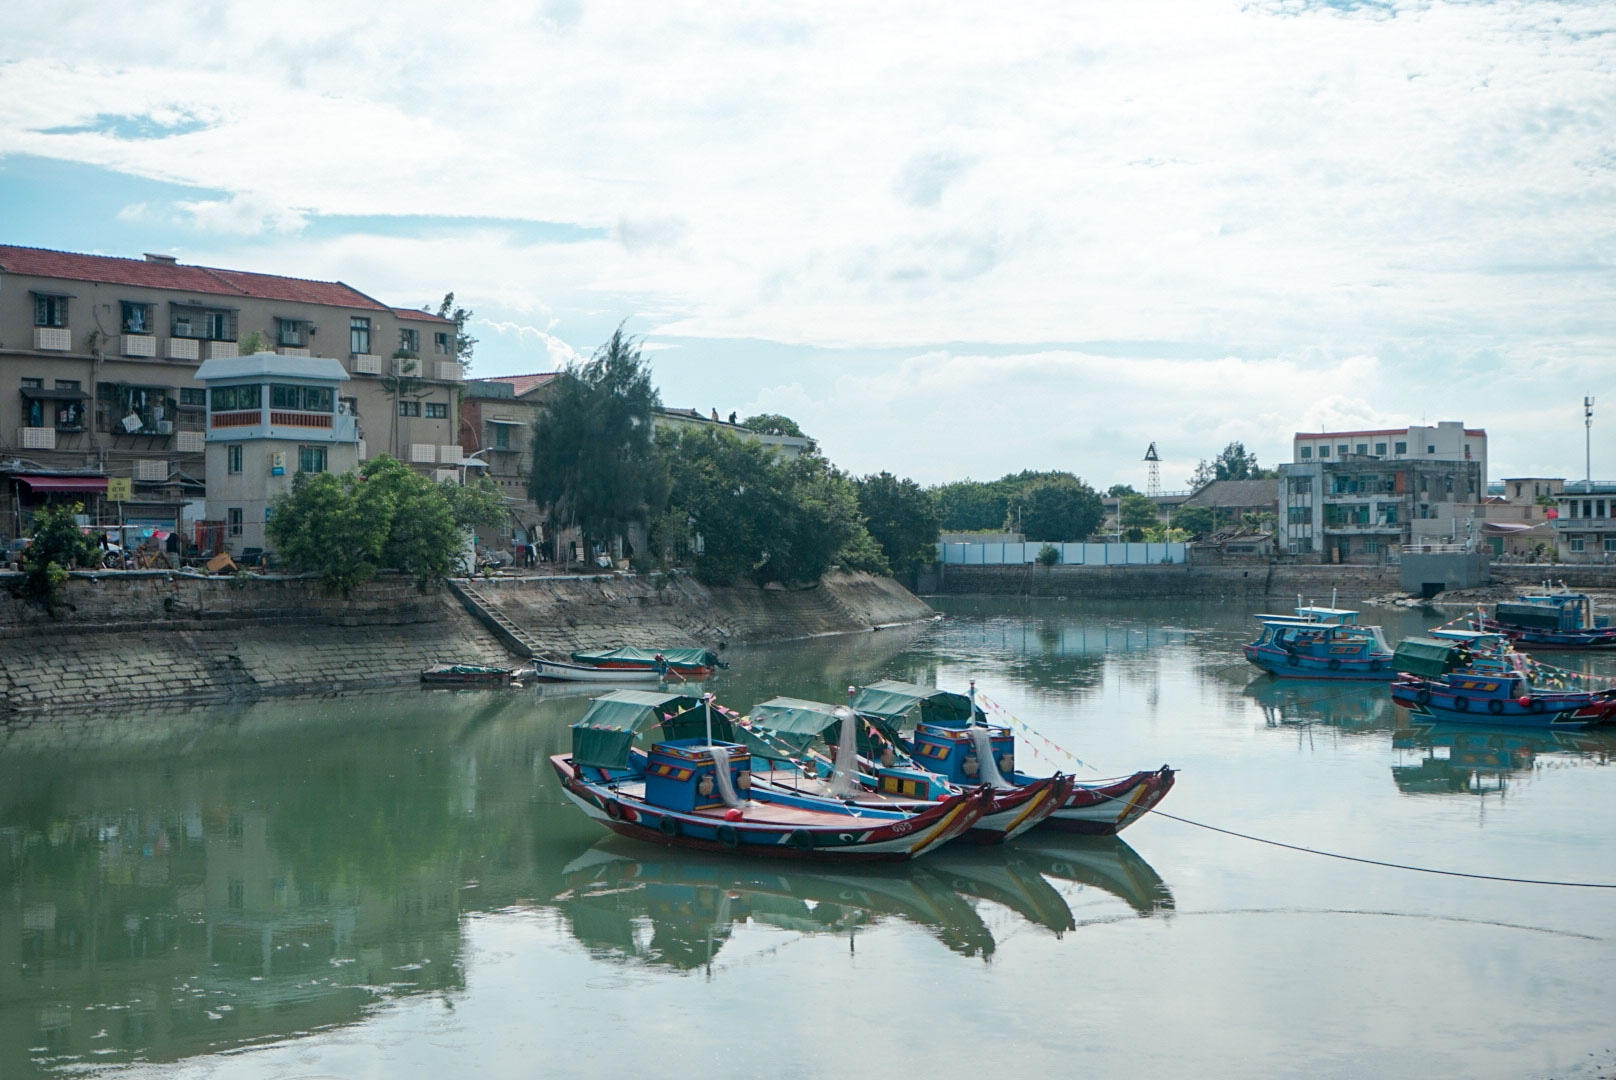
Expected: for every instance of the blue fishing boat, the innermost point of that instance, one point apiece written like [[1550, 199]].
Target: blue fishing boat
[[952, 738], [694, 790], [1551, 620], [1473, 676], [1321, 643]]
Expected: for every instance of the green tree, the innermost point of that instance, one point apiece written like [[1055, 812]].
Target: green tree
[[464, 343], [972, 505], [1116, 491], [1058, 508], [1197, 521], [57, 546], [1137, 512], [1233, 462], [1049, 555], [760, 516], [253, 343], [595, 463], [902, 517]]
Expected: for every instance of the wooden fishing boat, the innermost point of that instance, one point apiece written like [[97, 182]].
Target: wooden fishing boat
[[694, 790], [780, 732], [692, 664], [1321, 643], [1471, 676], [952, 738], [1550, 620], [561, 671], [468, 675]]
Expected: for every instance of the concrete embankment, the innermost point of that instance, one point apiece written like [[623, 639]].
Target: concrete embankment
[[122, 639], [1228, 581]]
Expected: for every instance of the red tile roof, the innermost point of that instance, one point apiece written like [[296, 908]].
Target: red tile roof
[[179, 277], [521, 384], [418, 315]]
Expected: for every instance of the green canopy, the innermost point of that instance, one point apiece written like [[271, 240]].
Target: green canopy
[[631, 654], [603, 736], [1425, 656], [894, 702]]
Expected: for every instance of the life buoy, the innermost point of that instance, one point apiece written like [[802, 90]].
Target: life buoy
[[669, 825], [802, 840], [1423, 696], [728, 836], [1335, 663], [1495, 706], [614, 809], [1461, 703]]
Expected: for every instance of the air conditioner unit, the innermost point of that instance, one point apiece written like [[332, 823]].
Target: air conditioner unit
[[165, 427], [406, 365]]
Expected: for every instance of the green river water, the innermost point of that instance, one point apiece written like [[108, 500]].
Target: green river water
[[393, 886]]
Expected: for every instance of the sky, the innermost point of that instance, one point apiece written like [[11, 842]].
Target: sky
[[950, 240]]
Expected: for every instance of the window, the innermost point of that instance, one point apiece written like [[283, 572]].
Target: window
[[1346, 547], [409, 408], [216, 326], [1402, 448], [137, 318], [499, 436], [359, 335], [1587, 508], [1599, 504], [348, 405], [232, 458], [1363, 448], [1380, 449], [1430, 448], [1391, 515], [50, 310], [1371, 547], [282, 396], [409, 340], [317, 399], [232, 518], [1342, 451], [1577, 544], [440, 344], [1307, 452], [311, 459], [1610, 543], [1324, 451], [1300, 515], [73, 384], [193, 395], [230, 398], [437, 410], [1302, 485], [289, 332], [35, 384]]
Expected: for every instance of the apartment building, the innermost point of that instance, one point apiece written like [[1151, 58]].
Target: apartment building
[[98, 362], [1363, 496], [496, 436], [1585, 522]]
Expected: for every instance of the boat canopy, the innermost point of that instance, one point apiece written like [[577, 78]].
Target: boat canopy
[[633, 654], [1426, 656], [894, 701], [603, 736], [792, 722], [1328, 614]]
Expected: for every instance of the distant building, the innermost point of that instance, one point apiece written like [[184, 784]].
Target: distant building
[[1231, 500], [1517, 526], [496, 433], [691, 419], [1585, 525], [270, 417], [1446, 441]]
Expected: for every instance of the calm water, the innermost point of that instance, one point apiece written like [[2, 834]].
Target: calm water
[[391, 886]]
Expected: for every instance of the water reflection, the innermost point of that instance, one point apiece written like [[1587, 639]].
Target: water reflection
[[1468, 759], [1365, 707]]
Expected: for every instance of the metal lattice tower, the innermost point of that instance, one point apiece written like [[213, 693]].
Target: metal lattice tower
[[1153, 481]]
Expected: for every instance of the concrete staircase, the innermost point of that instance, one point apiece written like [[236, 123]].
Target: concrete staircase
[[516, 640]]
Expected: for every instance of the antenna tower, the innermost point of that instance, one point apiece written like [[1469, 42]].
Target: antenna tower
[[1153, 482], [1588, 438]]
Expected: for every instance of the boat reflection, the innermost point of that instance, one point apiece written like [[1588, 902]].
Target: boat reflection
[[695, 905], [1476, 760], [1356, 706]]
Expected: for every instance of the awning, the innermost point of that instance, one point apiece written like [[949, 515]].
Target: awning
[[893, 701], [36, 484], [1505, 528], [507, 423], [40, 393]]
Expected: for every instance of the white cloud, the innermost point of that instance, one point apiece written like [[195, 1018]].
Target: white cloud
[[1187, 222]]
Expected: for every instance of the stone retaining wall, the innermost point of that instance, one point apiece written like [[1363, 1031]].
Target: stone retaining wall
[[148, 637]]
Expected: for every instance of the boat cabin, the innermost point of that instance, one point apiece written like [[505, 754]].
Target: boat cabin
[[1551, 611], [954, 753], [1343, 639]]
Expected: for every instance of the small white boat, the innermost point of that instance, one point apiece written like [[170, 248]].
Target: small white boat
[[561, 671]]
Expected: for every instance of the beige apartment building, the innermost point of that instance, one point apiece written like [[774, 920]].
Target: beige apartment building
[[98, 362]]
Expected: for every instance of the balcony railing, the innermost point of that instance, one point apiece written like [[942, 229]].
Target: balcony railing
[[236, 419], [300, 419]]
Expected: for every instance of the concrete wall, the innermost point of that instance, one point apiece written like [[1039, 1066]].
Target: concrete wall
[[151, 637], [1162, 582], [1431, 572]]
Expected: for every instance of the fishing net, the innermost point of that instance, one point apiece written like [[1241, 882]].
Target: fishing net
[[721, 776], [844, 780], [987, 768]]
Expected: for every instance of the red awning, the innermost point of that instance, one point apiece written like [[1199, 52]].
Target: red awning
[[96, 484]]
